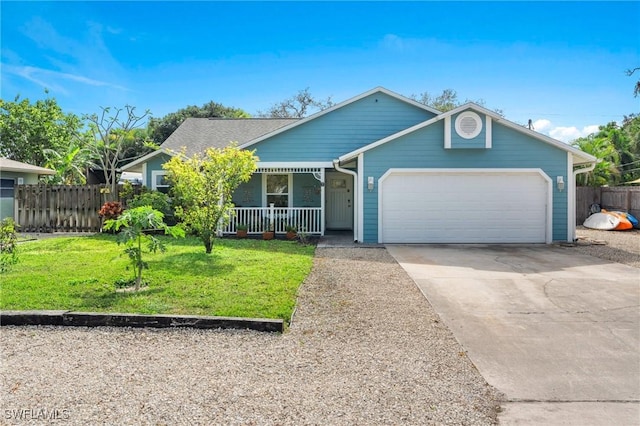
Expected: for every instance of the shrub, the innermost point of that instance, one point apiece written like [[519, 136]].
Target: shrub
[[155, 199], [8, 244], [110, 210]]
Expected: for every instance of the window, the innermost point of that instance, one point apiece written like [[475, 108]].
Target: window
[[277, 189], [6, 188], [159, 181], [338, 183]]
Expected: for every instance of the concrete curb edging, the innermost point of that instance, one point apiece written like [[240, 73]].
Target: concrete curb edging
[[100, 319]]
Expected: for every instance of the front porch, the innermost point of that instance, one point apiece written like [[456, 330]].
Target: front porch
[[308, 220], [280, 195]]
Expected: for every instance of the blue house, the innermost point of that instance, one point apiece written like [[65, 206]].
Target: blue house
[[392, 170]]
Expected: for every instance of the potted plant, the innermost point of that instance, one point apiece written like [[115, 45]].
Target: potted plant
[[241, 230], [268, 233], [292, 232]]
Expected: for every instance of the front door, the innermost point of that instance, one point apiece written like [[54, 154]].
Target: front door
[[339, 205]]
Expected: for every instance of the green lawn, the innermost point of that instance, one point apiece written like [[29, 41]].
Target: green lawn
[[240, 278]]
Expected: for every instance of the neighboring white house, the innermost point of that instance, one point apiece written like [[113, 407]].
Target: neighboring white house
[[16, 173]]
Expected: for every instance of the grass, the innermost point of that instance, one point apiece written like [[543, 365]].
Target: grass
[[240, 278]]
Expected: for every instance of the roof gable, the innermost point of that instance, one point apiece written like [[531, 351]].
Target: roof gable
[[580, 156], [339, 106]]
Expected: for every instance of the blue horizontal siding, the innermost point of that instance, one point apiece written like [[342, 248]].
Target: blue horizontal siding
[[306, 191], [249, 194], [155, 163], [425, 149], [343, 130]]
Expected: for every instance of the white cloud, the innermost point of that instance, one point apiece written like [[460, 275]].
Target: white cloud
[[564, 134], [590, 129], [393, 42], [541, 125], [53, 78], [84, 60]]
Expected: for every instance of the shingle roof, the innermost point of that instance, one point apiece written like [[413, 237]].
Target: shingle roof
[[197, 134], [17, 166]]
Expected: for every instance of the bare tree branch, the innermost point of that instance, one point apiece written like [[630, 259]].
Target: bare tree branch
[[109, 140], [297, 106], [636, 89]]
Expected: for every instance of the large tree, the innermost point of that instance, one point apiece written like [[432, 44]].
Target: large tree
[[203, 187], [28, 129], [617, 148], [161, 128], [297, 106], [111, 137]]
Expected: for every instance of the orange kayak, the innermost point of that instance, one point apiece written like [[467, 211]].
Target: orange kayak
[[624, 222]]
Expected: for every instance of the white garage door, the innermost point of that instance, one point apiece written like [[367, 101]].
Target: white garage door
[[463, 206]]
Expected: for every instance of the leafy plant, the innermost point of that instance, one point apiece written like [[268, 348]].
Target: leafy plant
[[134, 223], [111, 210], [70, 164], [8, 244], [290, 228], [242, 227], [127, 192], [156, 199]]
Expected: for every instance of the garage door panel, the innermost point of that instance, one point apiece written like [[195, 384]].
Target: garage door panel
[[465, 208]]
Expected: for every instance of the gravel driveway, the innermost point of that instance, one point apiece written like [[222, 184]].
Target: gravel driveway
[[618, 246], [365, 347]]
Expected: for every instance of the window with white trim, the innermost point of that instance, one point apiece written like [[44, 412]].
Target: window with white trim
[[277, 189], [6, 188], [159, 181]]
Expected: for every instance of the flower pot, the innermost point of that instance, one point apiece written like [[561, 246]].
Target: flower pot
[[241, 233], [268, 235]]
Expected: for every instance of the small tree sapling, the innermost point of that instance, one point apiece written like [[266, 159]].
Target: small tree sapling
[[135, 224]]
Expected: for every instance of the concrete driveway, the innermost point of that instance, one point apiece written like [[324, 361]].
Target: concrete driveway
[[557, 332]]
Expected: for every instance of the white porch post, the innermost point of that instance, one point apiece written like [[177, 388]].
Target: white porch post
[[360, 206], [322, 203]]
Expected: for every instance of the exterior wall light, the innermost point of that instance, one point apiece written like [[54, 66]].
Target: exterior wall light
[[560, 183], [370, 183]]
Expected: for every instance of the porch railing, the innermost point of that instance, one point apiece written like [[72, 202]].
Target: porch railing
[[258, 219]]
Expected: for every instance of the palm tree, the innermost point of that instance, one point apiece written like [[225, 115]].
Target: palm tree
[[70, 165], [606, 170]]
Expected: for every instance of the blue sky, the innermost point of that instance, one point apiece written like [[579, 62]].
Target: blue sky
[[560, 64]]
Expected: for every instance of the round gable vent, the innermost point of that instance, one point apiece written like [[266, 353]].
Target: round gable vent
[[468, 125]]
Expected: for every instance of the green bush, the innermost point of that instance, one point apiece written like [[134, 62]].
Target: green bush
[[8, 244], [155, 199]]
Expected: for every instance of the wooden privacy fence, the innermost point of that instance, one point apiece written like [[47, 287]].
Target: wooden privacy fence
[[624, 198], [59, 208]]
